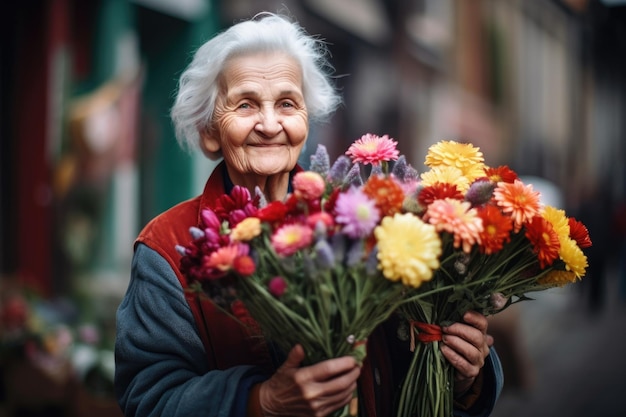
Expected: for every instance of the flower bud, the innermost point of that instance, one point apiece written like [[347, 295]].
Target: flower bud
[[498, 301], [480, 192]]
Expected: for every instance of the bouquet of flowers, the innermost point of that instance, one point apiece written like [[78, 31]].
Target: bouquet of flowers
[[326, 266], [499, 243]]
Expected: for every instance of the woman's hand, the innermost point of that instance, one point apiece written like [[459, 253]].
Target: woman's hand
[[465, 346], [315, 390]]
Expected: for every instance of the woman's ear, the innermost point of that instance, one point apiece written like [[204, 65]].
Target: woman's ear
[[209, 140]]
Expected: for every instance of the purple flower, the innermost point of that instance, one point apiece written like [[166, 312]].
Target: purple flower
[[339, 169], [320, 161], [480, 192], [325, 258], [357, 213]]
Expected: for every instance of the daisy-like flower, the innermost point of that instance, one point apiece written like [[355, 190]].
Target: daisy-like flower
[[463, 156], [496, 229], [408, 249], [557, 278], [519, 201], [387, 194], [246, 230], [544, 239], [446, 175], [222, 259], [579, 233], [501, 174], [357, 213], [457, 218], [559, 221], [574, 258], [373, 149], [308, 185], [290, 238], [438, 191]]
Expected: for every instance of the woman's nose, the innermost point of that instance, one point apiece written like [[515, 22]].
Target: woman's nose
[[269, 123]]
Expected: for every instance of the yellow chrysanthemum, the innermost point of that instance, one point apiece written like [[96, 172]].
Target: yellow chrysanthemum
[[464, 156], [574, 258], [408, 249], [446, 175], [246, 230], [559, 221], [557, 278]]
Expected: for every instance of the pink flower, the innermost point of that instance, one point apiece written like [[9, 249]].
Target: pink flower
[[308, 185], [373, 149], [320, 216], [457, 218], [290, 238], [357, 213], [223, 258], [277, 286]]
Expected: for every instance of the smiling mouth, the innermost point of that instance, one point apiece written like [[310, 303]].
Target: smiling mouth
[[267, 145]]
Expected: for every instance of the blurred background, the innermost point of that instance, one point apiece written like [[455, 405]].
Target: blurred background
[[88, 156]]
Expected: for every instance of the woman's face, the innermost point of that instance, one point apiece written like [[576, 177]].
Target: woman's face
[[260, 121]]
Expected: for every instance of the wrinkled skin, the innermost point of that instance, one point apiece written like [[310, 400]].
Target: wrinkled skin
[[327, 386], [260, 123]]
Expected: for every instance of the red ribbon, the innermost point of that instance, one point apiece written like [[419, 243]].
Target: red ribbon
[[426, 333]]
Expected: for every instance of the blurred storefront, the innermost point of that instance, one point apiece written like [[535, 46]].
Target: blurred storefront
[[87, 151]]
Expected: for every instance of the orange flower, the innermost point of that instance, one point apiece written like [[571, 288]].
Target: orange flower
[[496, 229], [519, 201], [544, 239], [387, 194]]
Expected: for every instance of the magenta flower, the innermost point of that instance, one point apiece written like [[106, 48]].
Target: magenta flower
[[357, 213], [210, 219], [277, 286], [373, 149]]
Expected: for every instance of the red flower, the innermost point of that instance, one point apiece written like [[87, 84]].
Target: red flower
[[496, 229], [579, 233], [236, 206], [244, 265], [438, 191], [273, 212], [501, 174], [544, 239]]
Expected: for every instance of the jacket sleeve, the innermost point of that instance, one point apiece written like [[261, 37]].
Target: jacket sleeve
[[493, 380], [161, 367]]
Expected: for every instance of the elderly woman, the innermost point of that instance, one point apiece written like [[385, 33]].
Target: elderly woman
[[248, 97]]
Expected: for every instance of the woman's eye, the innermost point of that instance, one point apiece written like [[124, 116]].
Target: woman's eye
[[244, 106], [286, 104]]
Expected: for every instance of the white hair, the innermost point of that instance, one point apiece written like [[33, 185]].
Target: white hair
[[267, 32]]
